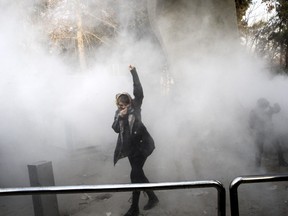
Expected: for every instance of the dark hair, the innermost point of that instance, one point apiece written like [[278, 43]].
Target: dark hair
[[123, 98]]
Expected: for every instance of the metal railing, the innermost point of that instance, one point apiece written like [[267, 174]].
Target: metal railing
[[122, 188], [234, 205]]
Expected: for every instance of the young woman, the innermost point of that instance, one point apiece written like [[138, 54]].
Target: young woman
[[134, 141]]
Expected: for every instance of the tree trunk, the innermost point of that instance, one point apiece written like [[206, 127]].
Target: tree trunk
[[80, 42], [286, 58], [281, 55]]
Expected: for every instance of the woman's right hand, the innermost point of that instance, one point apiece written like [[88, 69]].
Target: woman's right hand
[[123, 112]]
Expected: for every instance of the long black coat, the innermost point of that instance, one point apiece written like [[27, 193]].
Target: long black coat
[[133, 137]]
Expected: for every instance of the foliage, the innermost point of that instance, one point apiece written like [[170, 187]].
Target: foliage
[[276, 33], [68, 35], [241, 8], [77, 29], [269, 39]]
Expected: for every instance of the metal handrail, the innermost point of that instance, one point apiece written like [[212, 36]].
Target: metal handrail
[[234, 205], [122, 188]]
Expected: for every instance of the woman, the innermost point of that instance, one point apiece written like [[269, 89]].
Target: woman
[[134, 141]]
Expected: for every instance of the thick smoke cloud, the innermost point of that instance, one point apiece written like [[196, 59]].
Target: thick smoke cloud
[[216, 86], [201, 129], [48, 108]]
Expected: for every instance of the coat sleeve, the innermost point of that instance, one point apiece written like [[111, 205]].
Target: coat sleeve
[[116, 125], [137, 88]]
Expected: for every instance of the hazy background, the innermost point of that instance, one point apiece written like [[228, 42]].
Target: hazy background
[[50, 109]]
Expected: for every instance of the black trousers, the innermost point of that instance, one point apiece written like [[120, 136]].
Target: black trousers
[[259, 141], [276, 141], [137, 175]]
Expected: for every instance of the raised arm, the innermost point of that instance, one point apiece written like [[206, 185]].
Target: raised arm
[[137, 87]]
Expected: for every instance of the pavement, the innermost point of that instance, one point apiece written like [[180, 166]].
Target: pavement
[[89, 167], [92, 166]]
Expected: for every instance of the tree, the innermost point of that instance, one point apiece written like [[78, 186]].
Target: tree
[[273, 37], [68, 35], [269, 38], [77, 29], [241, 8], [280, 35]]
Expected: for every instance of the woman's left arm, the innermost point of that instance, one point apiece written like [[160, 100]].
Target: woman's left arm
[[137, 87]]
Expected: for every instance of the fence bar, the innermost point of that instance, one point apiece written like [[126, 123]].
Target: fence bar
[[122, 188], [234, 205]]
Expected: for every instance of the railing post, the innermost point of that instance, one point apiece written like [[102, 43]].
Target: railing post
[[234, 205], [221, 199], [41, 174]]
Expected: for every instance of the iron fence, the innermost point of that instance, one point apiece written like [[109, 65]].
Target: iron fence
[[221, 198], [234, 205]]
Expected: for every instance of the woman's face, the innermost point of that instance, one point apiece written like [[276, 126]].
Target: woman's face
[[122, 106]]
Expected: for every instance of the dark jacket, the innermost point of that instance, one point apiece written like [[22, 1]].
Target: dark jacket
[[133, 137]]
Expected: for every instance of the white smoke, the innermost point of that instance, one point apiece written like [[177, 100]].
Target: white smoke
[[200, 127]]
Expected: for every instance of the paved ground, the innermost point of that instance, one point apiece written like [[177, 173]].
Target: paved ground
[[254, 200]]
